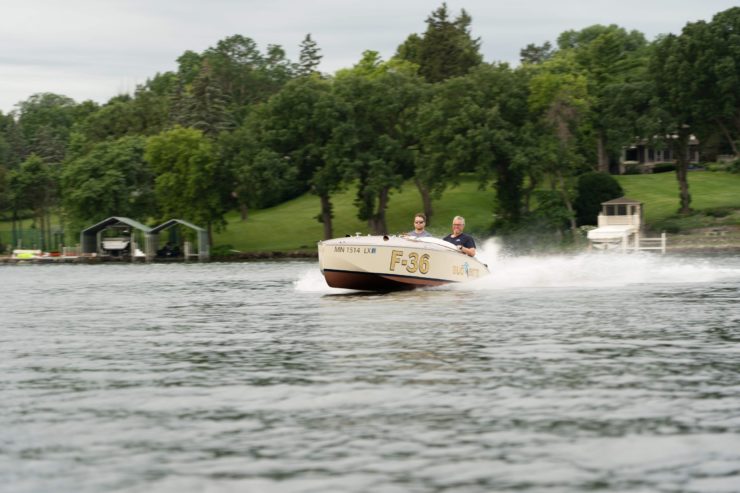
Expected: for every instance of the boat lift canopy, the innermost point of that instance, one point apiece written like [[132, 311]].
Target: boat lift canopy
[[91, 241], [153, 238], [90, 237]]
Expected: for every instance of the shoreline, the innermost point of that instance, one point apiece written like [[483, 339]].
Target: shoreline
[[708, 241], [235, 257], [685, 245]]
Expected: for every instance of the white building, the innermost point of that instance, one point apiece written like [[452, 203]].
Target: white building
[[620, 222], [620, 228]]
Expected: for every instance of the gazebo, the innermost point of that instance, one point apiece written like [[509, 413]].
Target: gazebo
[[620, 228], [619, 225]]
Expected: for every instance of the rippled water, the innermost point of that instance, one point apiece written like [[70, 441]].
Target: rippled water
[[562, 373]]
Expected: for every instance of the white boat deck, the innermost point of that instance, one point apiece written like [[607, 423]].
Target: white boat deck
[[612, 232]]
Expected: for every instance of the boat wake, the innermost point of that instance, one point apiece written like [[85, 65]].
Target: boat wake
[[596, 269]]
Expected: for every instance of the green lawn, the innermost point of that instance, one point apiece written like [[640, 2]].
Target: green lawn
[[659, 192], [293, 225]]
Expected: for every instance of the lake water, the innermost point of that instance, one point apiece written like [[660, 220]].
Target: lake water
[[616, 373]]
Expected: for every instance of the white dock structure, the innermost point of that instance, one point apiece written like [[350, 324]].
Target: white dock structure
[[620, 226]]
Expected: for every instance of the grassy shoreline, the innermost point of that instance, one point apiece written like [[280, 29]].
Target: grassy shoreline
[[291, 228]]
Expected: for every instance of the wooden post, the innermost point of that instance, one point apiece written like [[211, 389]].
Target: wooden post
[[151, 247], [132, 246]]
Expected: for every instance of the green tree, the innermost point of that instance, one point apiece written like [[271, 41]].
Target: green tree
[[33, 187], [6, 155], [111, 121], [9, 160], [261, 177], [673, 108], [471, 124], [309, 58], [44, 122], [536, 54], [695, 87], [208, 106], [216, 88], [592, 189], [11, 145], [113, 179], [146, 113], [245, 75], [446, 49], [613, 61], [712, 51], [4, 164], [383, 97], [190, 183], [432, 169], [305, 123], [559, 99], [5, 199]]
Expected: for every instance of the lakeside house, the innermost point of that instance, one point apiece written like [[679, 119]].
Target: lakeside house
[[644, 156]]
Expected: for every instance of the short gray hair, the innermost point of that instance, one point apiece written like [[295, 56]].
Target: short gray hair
[[458, 218]]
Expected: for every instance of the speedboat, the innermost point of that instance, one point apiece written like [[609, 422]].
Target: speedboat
[[389, 263]]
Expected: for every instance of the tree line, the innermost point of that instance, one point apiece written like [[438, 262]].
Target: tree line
[[238, 128]]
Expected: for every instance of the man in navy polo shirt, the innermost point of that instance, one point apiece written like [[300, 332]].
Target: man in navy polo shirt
[[464, 243]]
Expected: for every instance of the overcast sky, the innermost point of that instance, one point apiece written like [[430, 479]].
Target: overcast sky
[[97, 49]]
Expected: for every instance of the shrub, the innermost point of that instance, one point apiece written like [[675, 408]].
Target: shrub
[[593, 188], [551, 213], [670, 225], [664, 167], [632, 169], [716, 167], [222, 250], [729, 167], [718, 212]]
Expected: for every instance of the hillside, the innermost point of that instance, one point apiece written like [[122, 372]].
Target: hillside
[[293, 225], [659, 192]]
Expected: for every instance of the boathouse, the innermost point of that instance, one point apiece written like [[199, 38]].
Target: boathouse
[[123, 237], [153, 240], [115, 237]]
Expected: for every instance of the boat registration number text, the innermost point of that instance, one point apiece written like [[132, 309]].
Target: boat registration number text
[[413, 262], [354, 249]]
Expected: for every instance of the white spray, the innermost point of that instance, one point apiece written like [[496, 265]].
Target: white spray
[[596, 269]]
